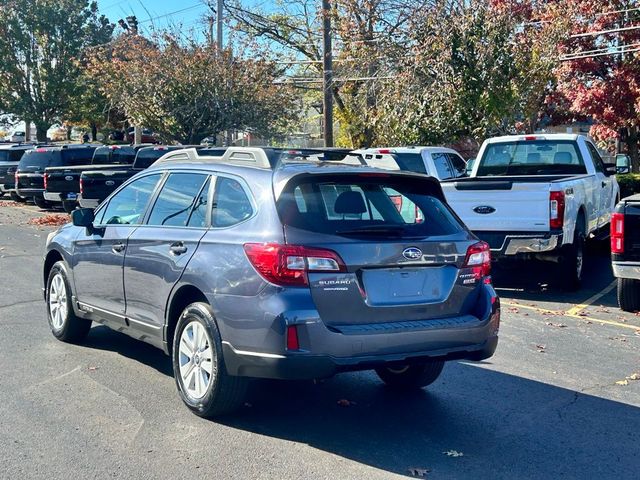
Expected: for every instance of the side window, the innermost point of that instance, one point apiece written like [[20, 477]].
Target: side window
[[443, 168], [178, 196], [127, 207], [458, 164], [231, 204], [597, 159], [198, 216]]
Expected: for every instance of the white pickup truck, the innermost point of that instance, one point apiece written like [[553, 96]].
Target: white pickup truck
[[537, 196]]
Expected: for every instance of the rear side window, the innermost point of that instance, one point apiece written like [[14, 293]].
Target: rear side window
[[441, 163], [535, 157], [231, 204], [366, 207], [458, 164], [177, 198]]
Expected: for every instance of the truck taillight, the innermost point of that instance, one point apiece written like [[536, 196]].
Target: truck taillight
[[556, 210], [617, 233], [45, 179], [288, 265], [479, 260], [81, 186]]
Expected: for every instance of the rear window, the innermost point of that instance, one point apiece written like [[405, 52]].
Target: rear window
[[77, 156], [539, 157], [366, 207], [146, 157], [410, 162], [41, 158], [114, 156], [11, 155]]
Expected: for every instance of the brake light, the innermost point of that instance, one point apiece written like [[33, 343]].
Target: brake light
[[617, 233], [15, 176], [41, 150], [45, 178], [81, 186], [292, 338], [556, 210], [384, 151], [288, 265], [479, 260], [530, 138]]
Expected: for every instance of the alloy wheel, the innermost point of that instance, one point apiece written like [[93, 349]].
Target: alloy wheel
[[58, 301], [197, 368]]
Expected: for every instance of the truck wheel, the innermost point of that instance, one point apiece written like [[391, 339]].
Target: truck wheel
[[69, 205], [198, 365], [629, 294], [16, 198], [41, 203], [64, 323], [572, 263], [411, 377]]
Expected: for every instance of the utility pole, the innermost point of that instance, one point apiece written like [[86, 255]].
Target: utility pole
[[220, 8], [327, 74]]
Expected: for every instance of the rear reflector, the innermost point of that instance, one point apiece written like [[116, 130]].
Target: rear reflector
[[479, 260], [292, 338], [288, 265], [617, 233]]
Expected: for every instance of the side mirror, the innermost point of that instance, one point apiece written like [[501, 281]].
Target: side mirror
[[83, 217], [622, 169]]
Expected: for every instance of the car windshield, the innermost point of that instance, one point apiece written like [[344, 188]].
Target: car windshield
[[363, 206], [531, 157]]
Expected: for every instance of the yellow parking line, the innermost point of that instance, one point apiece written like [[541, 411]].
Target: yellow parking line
[[578, 308], [608, 322], [528, 307]]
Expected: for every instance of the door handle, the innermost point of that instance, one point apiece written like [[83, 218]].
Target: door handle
[[604, 184], [118, 247], [178, 248]]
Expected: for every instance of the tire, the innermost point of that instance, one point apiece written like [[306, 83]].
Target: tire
[[201, 378], [411, 377], [1, 194], [69, 205], [16, 198], [572, 262], [41, 203], [64, 324], [629, 294]]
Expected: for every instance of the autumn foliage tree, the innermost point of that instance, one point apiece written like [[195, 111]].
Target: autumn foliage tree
[[185, 91], [604, 83]]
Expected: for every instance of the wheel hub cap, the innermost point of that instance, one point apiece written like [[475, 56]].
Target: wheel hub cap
[[58, 302], [197, 367]]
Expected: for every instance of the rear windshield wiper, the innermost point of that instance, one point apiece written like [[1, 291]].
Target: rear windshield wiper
[[374, 230]]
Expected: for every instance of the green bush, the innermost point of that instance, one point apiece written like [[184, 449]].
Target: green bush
[[629, 184]]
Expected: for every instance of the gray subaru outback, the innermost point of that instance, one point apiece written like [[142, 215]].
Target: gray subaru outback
[[276, 264]]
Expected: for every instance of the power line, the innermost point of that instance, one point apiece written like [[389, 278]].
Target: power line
[[151, 19], [604, 32], [602, 52]]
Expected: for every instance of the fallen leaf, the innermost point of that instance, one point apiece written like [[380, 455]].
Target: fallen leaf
[[53, 219], [634, 376], [558, 325], [419, 472], [622, 382], [453, 453], [93, 369], [583, 314], [541, 348]]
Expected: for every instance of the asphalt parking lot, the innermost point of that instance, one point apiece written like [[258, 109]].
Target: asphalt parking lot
[[558, 400]]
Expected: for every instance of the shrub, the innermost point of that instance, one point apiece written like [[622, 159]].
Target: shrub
[[629, 184]]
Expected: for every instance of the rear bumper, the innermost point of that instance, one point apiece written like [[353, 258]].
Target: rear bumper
[[626, 270], [7, 187], [510, 244], [58, 197], [30, 192], [328, 351], [88, 202]]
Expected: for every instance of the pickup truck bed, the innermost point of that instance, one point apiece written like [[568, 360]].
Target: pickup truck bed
[[625, 251]]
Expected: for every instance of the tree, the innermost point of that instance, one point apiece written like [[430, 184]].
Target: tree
[[603, 84], [40, 41], [186, 91]]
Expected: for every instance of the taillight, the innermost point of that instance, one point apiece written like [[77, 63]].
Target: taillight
[[617, 233], [45, 177], [16, 178], [288, 265], [81, 186], [479, 260], [556, 210]]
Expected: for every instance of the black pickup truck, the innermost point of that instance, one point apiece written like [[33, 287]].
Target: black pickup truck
[[625, 251], [63, 183], [10, 156], [97, 185], [30, 173]]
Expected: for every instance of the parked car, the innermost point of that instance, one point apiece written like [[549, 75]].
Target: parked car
[[625, 252], [243, 266], [62, 184], [147, 136], [537, 197], [29, 177], [116, 136], [18, 137], [439, 162], [10, 156], [96, 185]]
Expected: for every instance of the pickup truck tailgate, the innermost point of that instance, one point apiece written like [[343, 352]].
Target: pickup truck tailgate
[[500, 205]]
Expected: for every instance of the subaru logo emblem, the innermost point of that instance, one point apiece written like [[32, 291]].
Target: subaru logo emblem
[[484, 209], [109, 183], [412, 253], [68, 178]]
